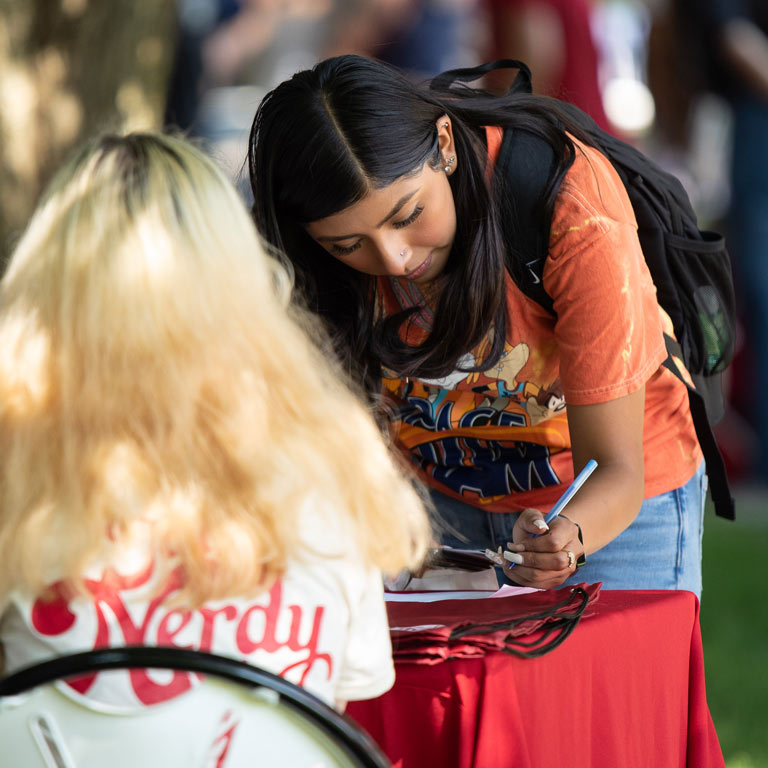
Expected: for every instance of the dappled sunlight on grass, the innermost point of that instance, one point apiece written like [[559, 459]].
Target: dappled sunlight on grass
[[734, 625], [743, 761]]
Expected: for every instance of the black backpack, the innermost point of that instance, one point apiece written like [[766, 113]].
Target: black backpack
[[690, 268]]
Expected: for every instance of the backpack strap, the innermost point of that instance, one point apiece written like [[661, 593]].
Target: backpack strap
[[718, 478], [523, 81], [524, 167]]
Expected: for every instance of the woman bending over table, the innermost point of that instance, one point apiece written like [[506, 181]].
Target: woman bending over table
[[385, 197]]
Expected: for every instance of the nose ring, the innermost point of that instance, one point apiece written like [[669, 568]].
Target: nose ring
[[402, 253]]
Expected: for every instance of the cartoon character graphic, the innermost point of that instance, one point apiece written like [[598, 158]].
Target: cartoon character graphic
[[441, 422], [437, 389], [452, 379], [546, 402], [508, 368]]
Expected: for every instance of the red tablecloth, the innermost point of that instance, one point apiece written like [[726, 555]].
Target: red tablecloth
[[625, 690]]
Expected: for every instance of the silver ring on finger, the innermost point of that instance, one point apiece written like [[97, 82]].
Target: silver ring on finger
[[571, 558]]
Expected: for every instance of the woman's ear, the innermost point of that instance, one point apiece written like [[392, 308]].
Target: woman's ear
[[448, 161]]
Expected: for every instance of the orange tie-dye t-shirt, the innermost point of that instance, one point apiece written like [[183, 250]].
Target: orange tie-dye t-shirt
[[499, 438]]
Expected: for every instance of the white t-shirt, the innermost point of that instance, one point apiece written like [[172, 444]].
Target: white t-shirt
[[322, 626]]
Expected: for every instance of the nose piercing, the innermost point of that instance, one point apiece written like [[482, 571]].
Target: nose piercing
[[402, 253]]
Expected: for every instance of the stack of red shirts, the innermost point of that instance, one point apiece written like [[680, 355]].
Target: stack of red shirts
[[525, 625]]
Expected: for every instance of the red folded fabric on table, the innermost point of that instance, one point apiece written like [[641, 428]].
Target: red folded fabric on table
[[625, 689], [524, 625]]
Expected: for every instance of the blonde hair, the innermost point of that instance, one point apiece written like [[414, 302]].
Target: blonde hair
[[151, 369]]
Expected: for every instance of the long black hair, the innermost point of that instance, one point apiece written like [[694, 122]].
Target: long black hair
[[323, 139]]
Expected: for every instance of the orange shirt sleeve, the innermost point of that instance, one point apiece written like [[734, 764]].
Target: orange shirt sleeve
[[609, 328]]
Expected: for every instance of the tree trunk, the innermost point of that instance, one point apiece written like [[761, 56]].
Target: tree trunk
[[69, 69]]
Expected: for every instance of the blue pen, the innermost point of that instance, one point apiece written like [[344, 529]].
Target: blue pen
[[578, 481]]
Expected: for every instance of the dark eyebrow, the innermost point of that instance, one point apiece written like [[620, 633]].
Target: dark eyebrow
[[333, 239], [398, 205]]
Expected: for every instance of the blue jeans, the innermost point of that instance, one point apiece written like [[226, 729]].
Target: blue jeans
[[660, 550]]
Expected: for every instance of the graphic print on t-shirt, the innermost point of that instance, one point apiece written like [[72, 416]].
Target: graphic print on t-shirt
[[272, 630], [457, 427]]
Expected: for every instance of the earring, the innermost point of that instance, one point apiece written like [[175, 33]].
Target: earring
[[449, 162]]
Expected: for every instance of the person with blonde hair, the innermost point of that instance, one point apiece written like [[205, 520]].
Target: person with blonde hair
[[180, 463]]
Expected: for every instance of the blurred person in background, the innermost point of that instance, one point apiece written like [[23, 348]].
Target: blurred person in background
[[232, 42], [181, 465], [723, 49], [197, 20], [260, 42], [554, 38], [738, 34], [231, 52], [421, 37]]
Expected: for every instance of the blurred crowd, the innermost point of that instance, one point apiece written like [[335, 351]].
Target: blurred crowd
[[686, 81]]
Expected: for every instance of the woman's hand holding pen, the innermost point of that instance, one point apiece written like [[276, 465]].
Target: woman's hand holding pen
[[551, 553], [540, 552]]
